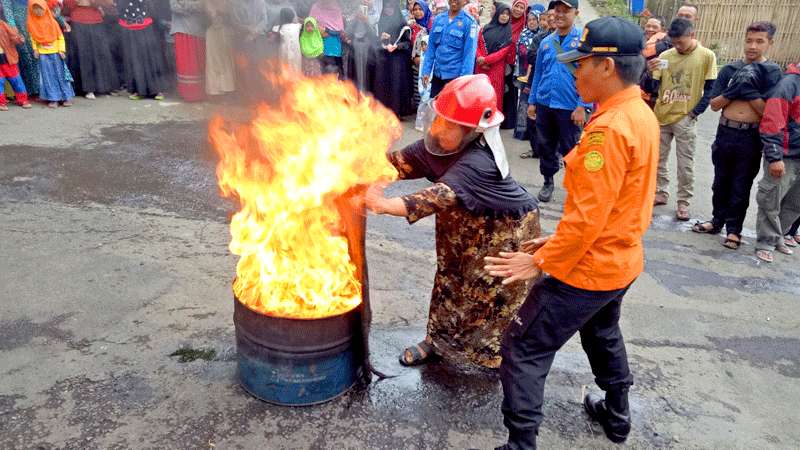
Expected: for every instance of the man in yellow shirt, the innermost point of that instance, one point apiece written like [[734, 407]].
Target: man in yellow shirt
[[685, 82]]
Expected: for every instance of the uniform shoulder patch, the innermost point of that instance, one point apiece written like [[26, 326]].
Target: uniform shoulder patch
[[596, 138], [594, 161]]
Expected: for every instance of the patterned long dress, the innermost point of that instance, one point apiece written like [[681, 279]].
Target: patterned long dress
[[469, 310], [16, 12]]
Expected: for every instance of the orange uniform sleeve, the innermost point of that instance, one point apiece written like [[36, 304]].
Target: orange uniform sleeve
[[595, 174]]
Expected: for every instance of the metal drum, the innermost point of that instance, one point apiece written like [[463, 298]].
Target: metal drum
[[297, 362]]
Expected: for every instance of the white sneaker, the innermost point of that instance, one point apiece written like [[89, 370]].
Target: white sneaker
[[90, 96]]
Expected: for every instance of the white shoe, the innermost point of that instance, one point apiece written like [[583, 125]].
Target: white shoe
[[90, 96]]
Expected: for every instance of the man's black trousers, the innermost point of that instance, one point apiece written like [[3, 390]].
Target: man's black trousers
[[555, 133], [736, 155], [437, 84], [550, 316]]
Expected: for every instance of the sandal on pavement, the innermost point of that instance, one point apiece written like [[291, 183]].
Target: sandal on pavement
[[26, 106], [706, 227], [3, 108], [784, 249], [790, 241], [52, 105], [134, 97], [682, 213], [765, 255], [417, 355], [732, 242]]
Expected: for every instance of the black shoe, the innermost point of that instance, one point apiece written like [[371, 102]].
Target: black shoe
[[613, 413], [546, 194]]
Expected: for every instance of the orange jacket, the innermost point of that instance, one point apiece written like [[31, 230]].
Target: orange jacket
[[610, 181]]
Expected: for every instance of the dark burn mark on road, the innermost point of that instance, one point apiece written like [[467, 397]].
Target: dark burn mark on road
[[18, 333], [781, 354], [168, 165], [678, 279]]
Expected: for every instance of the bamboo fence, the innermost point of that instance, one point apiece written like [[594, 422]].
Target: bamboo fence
[[721, 25]]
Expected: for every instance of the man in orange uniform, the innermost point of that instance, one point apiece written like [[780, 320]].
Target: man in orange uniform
[[596, 252]]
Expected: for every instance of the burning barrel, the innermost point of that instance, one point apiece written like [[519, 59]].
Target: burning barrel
[[301, 307], [296, 361]]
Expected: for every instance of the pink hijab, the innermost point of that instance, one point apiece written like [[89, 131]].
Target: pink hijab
[[328, 14]]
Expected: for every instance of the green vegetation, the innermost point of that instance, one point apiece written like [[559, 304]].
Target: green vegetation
[[614, 8]]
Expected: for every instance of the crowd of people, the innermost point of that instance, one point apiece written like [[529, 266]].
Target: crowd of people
[[404, 52]]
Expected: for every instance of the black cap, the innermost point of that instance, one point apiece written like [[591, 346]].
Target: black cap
[[570, 3], [607, 36]]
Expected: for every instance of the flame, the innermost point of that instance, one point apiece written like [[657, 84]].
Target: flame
[[287, 169]]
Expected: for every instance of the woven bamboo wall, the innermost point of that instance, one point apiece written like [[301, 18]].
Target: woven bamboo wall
[[722, 23]]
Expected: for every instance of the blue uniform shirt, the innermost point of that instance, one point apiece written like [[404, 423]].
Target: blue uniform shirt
[[452, 46], [553, 84]]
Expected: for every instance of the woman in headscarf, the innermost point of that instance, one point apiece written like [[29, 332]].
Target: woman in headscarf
[[521, 73], [16, 15], [421, 14], [328, 14], [50, 49], [359, 53], [188, 27], [143, 57], [393, 81], [89, 55], [480, 210], [220, 68], [311, 46], [289, 32], [496, 50], [519, 10]]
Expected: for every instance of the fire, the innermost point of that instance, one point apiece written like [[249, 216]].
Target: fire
[[287, 169]]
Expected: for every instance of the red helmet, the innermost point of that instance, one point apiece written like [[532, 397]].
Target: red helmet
[[470, 101]]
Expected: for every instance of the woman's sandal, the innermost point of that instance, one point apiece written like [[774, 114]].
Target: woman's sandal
[[765, 255], [701, 227], [784, 249], [419, 354], [732, 243], [790, 241]]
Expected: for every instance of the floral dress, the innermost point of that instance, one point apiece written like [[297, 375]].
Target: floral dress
[[469, 310]]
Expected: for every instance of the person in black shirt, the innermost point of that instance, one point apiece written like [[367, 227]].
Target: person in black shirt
[[739, 92]]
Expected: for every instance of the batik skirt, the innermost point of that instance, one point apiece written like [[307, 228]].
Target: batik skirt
[[55, 80]]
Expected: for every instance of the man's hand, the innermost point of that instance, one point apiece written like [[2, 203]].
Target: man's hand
[[481, 60], [653, 64], [532, 112], [374, 198], [777, 169], [579, 116], [512, 267], [531, 246]]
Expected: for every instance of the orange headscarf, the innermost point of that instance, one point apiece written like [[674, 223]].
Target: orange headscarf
[[42, 29]]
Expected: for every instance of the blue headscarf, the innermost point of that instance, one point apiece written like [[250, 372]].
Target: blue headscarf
[[426, 19]]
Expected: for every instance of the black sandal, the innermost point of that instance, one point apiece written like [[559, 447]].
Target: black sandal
[[699, 227], [420, 354], [732, 244]]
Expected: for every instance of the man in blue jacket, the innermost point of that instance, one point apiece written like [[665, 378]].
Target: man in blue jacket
[[452, 46], [554, 101]]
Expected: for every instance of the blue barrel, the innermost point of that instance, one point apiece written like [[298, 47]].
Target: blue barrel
[[297, 362]]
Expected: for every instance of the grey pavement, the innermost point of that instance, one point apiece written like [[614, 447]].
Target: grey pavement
[[113, 254]]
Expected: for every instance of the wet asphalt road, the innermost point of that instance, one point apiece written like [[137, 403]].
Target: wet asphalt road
[[113, 254]]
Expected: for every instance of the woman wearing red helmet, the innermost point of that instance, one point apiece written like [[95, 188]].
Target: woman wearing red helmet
[[479, 210]]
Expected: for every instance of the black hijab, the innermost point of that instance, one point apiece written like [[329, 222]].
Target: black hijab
[[391, 23], [496, 35], [473, 175]]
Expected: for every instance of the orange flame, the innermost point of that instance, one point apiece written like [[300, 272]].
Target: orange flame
[[287, 168]]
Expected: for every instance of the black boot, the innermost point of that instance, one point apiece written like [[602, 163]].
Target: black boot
[[546, 194], [613, 413]]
